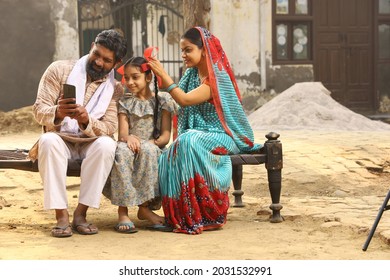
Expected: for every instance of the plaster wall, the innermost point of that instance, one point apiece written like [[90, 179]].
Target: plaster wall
[[34, 34], [236, 24], [245, 30], [64, 17]]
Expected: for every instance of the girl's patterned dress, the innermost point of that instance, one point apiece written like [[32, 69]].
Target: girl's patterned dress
[[134, 177]]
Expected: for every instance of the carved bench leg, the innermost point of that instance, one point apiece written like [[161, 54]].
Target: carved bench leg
[[237, 183], [275, 186], [274, 166]]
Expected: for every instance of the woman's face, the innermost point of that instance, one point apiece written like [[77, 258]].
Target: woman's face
[[190, 53]]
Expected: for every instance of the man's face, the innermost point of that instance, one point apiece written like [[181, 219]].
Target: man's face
[[100, 62]]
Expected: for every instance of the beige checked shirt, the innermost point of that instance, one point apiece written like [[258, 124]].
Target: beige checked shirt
[[49, 90]]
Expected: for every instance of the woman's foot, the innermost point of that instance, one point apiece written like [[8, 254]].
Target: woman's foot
[[144, 213]]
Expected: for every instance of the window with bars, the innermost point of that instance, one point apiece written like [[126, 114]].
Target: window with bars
[[292, 31]]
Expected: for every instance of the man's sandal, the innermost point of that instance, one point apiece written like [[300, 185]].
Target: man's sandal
[[65, 231], [85, 229]]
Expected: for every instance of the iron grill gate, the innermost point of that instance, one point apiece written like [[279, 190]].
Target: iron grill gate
[[144, 23]]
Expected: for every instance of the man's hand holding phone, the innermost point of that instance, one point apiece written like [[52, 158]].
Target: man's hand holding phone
[[69, 94], [66, 106]]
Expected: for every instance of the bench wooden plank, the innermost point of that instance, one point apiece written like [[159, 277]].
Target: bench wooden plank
[[270, 155]]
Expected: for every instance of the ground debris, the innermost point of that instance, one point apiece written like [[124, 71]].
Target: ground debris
[[4, 203]]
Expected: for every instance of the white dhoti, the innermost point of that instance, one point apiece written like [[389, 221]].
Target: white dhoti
[[53, 154]]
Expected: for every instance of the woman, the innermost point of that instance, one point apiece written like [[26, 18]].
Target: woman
[[195, 172]]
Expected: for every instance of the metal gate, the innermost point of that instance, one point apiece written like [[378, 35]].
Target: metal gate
[[144, 23]]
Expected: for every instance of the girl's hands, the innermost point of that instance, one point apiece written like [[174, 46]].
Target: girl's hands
[[134, 143], [158, 142]]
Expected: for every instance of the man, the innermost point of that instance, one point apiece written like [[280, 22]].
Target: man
[[83, 130]]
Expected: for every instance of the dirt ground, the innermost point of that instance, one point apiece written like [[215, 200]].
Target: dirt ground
[[319, 219]]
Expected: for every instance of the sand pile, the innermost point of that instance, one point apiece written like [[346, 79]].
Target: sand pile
[[18, 120], [309, 106]]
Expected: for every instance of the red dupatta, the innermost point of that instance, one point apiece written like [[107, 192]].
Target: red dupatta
[[216, 55]]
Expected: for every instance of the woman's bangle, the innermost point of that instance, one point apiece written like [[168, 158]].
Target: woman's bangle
[[171, 87]]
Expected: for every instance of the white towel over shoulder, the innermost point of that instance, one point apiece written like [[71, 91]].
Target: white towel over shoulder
[[99, 101]]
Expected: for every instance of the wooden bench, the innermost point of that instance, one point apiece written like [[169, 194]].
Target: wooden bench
[[270, 155]]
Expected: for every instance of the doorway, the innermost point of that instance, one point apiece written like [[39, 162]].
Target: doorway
[[344, 52]]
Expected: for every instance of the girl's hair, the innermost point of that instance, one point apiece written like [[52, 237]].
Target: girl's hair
[[137, 61], [193, 35]]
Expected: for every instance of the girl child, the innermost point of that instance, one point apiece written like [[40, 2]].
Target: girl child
[[144, 130]]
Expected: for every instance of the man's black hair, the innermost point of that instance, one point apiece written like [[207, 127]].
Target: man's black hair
[[114, 41]]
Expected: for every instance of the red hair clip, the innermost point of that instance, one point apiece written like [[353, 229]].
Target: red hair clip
[[121, 70], [148, 53], [144, 67], [152, 52]]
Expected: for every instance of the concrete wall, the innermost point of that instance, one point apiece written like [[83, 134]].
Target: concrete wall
[[236, 24], [33, 34], [64, 17], [245, 30]]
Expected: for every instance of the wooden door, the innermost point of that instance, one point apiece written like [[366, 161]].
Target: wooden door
[[343, 50]]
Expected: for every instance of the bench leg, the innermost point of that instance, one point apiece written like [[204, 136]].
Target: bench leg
[[274, 165], [275, 186], [237, 183]]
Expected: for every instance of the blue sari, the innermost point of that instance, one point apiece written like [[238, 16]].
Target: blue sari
[[195, 172]]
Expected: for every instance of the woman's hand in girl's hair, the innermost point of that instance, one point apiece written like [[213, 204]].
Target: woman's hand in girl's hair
[[134, 143], [156, 66], [159, 70]]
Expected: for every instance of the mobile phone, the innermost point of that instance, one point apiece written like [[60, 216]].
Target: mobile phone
[[69, 92]]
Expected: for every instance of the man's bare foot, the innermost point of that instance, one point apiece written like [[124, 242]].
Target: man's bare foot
[[62, 217], [80, 224], [144, 213], [62, 229]]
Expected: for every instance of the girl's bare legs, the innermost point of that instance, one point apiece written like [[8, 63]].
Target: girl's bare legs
[[144, 213]]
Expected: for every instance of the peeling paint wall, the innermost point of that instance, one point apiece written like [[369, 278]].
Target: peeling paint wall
[[280, 78], [26, 49], [64, 17], [236, 24], [34, 34], [245, 30]]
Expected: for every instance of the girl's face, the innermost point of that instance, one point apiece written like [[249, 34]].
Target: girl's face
[[136, 81], [190, 53]]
